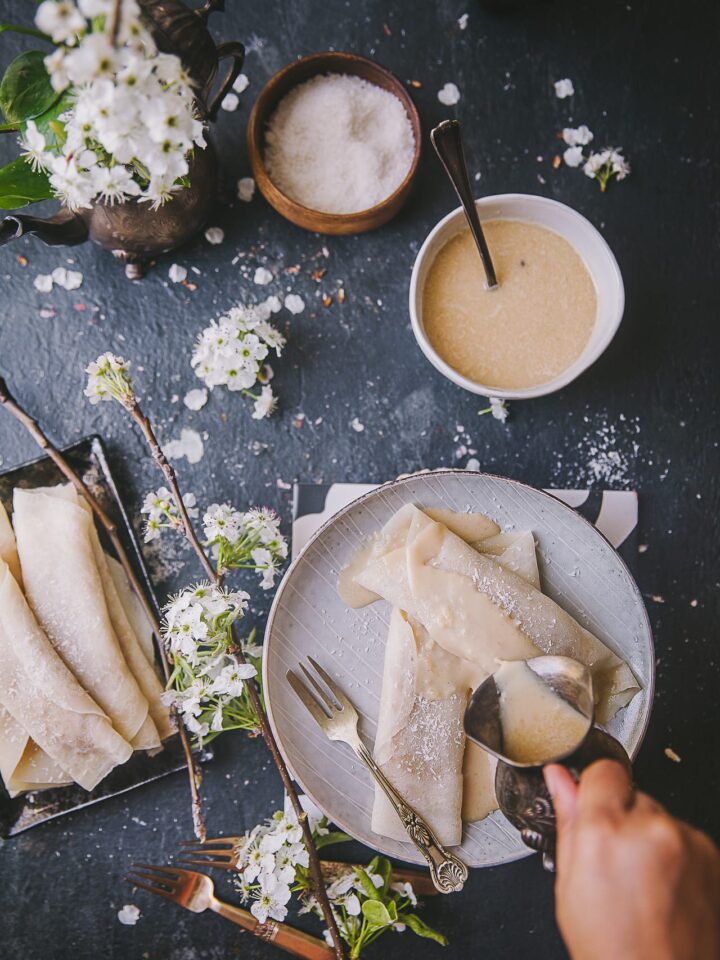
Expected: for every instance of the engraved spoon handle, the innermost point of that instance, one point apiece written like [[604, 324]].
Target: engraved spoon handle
[[447, 140], [448, 873]]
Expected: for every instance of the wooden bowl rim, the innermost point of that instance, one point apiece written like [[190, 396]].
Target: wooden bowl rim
[[255, 138]]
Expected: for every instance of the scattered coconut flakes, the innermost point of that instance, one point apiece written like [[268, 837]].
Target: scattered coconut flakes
[[196, 399], [449, 95], [473, 464], [671, 755], [189, 445], [230, 102], [577, 136], [573, 156], [214, 235], [357, 426], [262, 276], [241, 83], [294, 303], [463, 21], [43, 282], [129, 915], [273, 304], [246, 189], [564, 88], [499, 409], [67, 279], [177, 274]]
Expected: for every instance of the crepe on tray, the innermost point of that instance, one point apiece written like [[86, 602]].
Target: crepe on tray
[[464, 595], [79, 689]]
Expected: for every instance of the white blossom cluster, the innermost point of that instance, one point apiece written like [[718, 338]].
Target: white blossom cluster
[[231, 352], [162, 513], [250, 539], [601, 166], [208, 681], [108, 379], [131, 123]]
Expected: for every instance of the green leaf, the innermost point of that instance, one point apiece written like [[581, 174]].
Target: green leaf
[[48, 124], [383, 867], [326, 839], [25, 90], [392, 910], [20, 185], [369, 888], [419, 927], [375, 912]]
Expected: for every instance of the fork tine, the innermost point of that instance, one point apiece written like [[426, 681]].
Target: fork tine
[[324, 698], [158, 882], [150, 888], [152, 866], [216, 864], [222, 855], [215, 841], [331, 685], [307, 698]]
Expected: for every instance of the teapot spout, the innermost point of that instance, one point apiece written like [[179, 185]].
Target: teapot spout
[[63, 229]]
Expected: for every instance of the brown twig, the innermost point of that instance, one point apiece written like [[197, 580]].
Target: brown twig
[[115, 22], [13, 407], [253, 693]]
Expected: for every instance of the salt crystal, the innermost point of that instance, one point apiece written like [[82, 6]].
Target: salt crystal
[[241, 83], [564, 88], [449, 95], [357, 426], [245, 189], [177, 273], [262, 276], [189, 445], [43, 282], [214, 235], [294, 303], [129, 915], [339, 144], [230, 102], [195, 399]]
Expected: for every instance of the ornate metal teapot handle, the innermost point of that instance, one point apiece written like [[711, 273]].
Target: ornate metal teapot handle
[[236, 51], [447, 871]]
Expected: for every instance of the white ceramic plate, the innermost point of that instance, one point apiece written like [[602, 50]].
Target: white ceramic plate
[[579, 569]]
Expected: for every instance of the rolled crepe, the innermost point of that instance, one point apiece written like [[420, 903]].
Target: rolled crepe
[[480, 611], [419, 743], [66, 593], [43, 698]]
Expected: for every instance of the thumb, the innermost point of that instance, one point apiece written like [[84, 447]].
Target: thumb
[[563, 791]]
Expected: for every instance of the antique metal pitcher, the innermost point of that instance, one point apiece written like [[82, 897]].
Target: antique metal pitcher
[[132, 231]]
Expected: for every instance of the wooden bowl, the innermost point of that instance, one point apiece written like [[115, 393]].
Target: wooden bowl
[[270, 96]]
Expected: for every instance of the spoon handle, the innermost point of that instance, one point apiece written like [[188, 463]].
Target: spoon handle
[[447, 140]]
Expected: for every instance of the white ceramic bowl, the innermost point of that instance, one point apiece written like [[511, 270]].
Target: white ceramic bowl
[[587, 241]]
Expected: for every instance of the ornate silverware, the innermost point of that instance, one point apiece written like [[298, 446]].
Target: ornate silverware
[[338, 719]]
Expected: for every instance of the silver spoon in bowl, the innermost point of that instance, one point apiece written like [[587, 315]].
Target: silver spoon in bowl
[[447, 140]]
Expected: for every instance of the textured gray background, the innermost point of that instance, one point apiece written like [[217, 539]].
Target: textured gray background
[[644, 417]]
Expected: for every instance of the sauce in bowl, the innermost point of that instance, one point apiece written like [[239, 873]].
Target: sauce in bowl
[[527, 331]]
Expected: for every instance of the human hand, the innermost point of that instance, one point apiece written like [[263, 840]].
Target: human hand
[[632, 882]]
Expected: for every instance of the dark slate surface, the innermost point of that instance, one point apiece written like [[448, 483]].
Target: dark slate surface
[[644, 72]]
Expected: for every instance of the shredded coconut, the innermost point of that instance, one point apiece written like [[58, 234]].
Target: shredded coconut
[[449, 95], [357, 426], [339, 144], [564, 88]]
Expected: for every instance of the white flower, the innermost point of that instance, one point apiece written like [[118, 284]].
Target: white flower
[[498, 408], [221, 520], [60, 20], [231, 680], [573, 156], [55, 66], [564, 88], [92, 59], [33, 143], [271, 901], [265, 404], [114, 184], [577, 136], [108, 379], [73, 186], [405, 890]]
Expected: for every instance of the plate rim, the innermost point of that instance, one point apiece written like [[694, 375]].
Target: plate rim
[[402, 481]]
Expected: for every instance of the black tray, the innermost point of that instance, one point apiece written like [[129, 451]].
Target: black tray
[[87, 457]]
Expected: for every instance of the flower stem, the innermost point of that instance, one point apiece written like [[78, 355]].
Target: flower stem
[[13, 407]]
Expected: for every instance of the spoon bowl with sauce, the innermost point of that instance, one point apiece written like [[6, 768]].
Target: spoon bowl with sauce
[[558, 305]]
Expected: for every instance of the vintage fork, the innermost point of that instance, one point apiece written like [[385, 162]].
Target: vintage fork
[[221, 853], [338, 719], [195, 892]]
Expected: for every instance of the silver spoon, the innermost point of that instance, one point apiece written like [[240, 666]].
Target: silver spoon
[[447, 140], [520, 787]]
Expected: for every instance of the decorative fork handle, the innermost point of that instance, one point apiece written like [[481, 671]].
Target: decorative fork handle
[[447, 871], [296, 942]]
